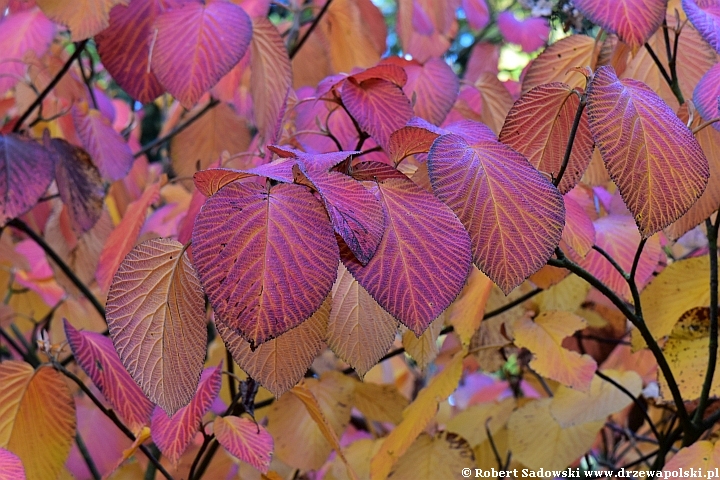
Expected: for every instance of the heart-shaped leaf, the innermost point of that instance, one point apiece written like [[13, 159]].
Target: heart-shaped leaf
[[245, 439], [634, 21]]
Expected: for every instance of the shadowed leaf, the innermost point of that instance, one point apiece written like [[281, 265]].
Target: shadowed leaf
[[209, 181], [441, 456], [245, 440], [514, 215], [380, 403], [424, 349], [704, 455], [634, 21], [706, 93], [108, 149], [477, 13], [99, 360], [84, 18], [579, 231], [156, 317], [705, 17], [409, 141], [466, 313], [650, 154]]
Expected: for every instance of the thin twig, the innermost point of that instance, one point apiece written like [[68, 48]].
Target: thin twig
[[612, 261], [82, 448], [310, 30], [571, 139], [659, 64], [635, 400]]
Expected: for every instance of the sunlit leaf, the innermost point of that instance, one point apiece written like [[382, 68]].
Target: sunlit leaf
[[26, 170], [83, 18], [653, 158], [359, 331], [466, 313], [471, 423], [706, 93], [514, 215], [108, 149], [703, 455], [196, 44], [174, 435], [705, 17], [409, 141], [156, 317], [429, 458], [496, 101], [123, 238], [209, 181], [37, 413], [11, 468], [539, 127], [97, 357], [530, 33], [632, 20], [543, 336], [245, 440], [280, 363], [556, 62], [424, 256], [426, 27], [477, 13], [267, 259]]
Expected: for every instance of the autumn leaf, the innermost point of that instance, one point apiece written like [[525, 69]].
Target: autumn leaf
[[380, 403], [107, 148], [633, 20], [474, 423], [424, 349], [555, 63], [703, 454], [705, 17], [245, 440], [84, 18], [441, 456], [11, 468]]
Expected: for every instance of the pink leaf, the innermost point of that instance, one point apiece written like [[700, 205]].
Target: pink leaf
[[355, 213], [245, 440], [484, 57], [122, 239], [124, 47], [173, 435], [634, 21], [20, 33], [379, 106], [11, 468], [424, 256], [108, 148], [270, 79], [435, 87], [477, 13], [531, 33], [97, 357], [197, 44], [26, 170], [209, 181], [649, 153], [514, 215], [579, 231], [267, 259], [707, 95], [705, 17]]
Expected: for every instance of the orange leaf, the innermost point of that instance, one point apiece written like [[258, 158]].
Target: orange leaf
[[555, 63], [466, 313], [703, 455], [245, 440], [84, 18]]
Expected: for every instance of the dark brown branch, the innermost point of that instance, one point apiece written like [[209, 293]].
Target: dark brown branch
[[310, 30]]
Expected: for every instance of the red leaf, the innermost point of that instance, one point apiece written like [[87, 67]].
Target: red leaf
[[555, 63], [122, 239], [539, 126], [409, 141], [634, 21], [425, 27], [197, 44], [26, 170], [173, 435], [21, 33], [707, 95], [379, 106], [79, 184], [209, 181], [579, 232], [267, 259], [424, 257], [649, 153], [270, 79], [124, 47], [245, 440], [355, 213], [435, 87], [705, 17], [11, 468], [97, 357], [515, 216], [472, 132], [108, 148], [531, 33], [477, 13]]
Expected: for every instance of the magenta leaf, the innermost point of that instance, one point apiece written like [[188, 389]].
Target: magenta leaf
[[579, 231], [634, 21], [173, 434], [197, 44], [79, 184], [705, 17], [209, 181], [245, 439], [108, 148], [267, 259], [11, 468], [477, 13], [530, 34], [654, 159], [313, 161], [434, 85], [409, 141], [379, 106], [514, 215], [355, 213], [26, 170], [424, 256], [97, 357], [706, 95]]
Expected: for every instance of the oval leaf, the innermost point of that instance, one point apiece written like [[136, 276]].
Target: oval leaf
[[156, 317], [555, 63], [435, 87], [267, 259], [196, 44], [634, 21], [650, 154], [423, 260], [97, 357], [705, 17], [514, 215], [245, 439], [108, 148], [84, 18]]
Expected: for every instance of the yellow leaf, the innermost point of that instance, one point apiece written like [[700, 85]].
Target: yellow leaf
[[416, 417], [683, 285], [37, 418], [544, 336], [571, 407], [424, 349], [360, 331], [538, 441], [466, 313], [686, 351], [430, 458], [568, 295], [704, 455], [380, 403], [358, 455], [84, 18], [470, 423]]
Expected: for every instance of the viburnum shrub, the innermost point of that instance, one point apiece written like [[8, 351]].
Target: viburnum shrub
[[360, 239]]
